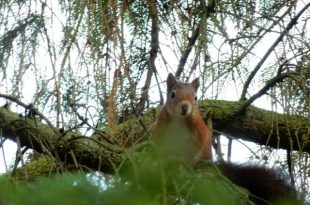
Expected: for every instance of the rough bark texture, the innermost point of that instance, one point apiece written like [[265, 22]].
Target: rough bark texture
[[256, 125], [260, 126], [70, 148]]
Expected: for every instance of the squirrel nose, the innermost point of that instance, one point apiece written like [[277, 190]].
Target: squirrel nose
[[184, 109]]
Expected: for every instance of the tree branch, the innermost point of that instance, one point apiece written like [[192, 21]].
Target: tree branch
[[111, 107], [272, 47], [153, 54], [32, 110], [187, 51], [210, 8], [89, 152], [263, 127], [272, 82], [256, 125]]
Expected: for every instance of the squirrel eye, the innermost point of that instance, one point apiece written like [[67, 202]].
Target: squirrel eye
[[195, 98], [172, 95]]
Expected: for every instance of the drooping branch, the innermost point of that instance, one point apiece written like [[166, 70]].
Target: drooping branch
[[272, 47], [6, 39], [153, 54], [210, 8]]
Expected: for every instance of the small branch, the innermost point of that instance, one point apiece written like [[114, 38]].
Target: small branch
[[2, 140], [187, 51], [153, 54], [161, 97], [273, 46], [111, 108], [272, 82], [210, 8], [31, 109], [19, 158], [85, 121], [230, 138]]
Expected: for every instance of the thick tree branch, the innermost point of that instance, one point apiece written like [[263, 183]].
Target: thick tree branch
[[260, 126], [32, 110], [32, 133], [272, 47], [256, 125]]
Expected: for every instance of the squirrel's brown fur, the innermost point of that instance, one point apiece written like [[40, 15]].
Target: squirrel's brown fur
[[181, 107], [266, 185], [181, 111]]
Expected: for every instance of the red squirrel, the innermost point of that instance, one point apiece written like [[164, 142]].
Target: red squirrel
[[181, 111]]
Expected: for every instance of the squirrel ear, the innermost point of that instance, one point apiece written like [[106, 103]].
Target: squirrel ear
[[195, 83], [171, 81]]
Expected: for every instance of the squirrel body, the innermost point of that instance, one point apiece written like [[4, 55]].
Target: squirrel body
[[181, 112], [180, 116]]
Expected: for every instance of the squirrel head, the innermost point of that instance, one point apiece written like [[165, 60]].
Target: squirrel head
[[181, 97]]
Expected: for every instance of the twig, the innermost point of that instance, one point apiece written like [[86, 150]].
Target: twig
[[272, 47], [210, 8], [19, 157], [2, 140], [161, 98], [272, 82], [85, 121], [232, 137], [33, 110]]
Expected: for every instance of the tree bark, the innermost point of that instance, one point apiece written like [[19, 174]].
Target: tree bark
[[256, 125], [68, 148], [290, 132]]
